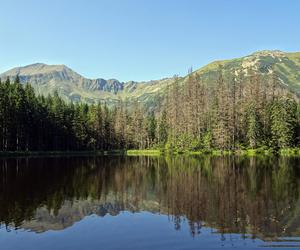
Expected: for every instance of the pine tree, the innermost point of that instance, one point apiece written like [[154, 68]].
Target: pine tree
[[253, 128], [19, 116], [30, 123], [221, 129], [283, 122], [163, 129], [151, 129]]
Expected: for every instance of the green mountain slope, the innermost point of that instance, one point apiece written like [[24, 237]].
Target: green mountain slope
[[73, 87], [285, 65]]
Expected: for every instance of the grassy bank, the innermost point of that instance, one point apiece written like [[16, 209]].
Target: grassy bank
[[240, 152], [150, 152], [244, 152]]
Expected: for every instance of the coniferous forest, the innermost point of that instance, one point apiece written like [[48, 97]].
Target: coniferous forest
[[231, 113]]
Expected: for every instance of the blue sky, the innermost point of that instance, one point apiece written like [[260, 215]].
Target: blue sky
[[139, 39]]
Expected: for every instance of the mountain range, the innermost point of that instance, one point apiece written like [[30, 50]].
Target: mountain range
[[72, 86]]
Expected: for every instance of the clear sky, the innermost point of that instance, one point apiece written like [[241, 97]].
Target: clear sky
[[142, 39]]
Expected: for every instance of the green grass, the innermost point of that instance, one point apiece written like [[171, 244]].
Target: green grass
[[210, 152], [150, 152], [290, 152]]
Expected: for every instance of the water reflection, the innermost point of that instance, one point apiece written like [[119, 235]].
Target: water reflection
[[250, 196]]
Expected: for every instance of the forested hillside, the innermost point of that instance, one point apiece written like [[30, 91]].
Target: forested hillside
[[233, 112], [36, 123], [252, 102]]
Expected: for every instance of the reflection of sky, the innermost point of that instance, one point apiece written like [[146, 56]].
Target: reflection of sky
[[126, 231]]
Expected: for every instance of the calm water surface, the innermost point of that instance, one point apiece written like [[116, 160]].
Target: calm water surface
[[149, 203]]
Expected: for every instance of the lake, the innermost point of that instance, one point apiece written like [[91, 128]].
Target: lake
[[118, 202]]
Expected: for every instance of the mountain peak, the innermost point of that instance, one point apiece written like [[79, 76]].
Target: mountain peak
[[35, 65], [272, 53], [37, 69]]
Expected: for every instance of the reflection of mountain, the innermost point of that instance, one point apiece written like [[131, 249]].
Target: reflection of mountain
[[259, 196], [71, 212]]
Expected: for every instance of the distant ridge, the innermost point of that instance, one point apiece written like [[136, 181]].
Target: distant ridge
[[74, 87]]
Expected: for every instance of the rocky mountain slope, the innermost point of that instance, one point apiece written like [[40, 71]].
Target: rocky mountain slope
[[72, 212], [73, 87]]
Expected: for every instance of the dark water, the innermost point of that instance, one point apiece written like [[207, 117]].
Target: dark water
[[149, 203]]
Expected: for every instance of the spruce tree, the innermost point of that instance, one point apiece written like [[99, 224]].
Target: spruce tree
[[283, 122], [151, 128], [253, 128], [163, 129]]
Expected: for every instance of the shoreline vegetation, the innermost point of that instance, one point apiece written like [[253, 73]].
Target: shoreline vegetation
[[216, 152], [156, 152]]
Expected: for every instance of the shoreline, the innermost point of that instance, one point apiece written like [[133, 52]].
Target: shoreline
[[60, 153], [244, 152], [154, 152]]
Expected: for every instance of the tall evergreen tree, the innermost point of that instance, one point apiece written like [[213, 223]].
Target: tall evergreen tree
[[151, 129], [163, 129], [283, 122], [253, 128]]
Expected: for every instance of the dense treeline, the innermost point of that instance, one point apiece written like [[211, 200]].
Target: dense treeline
[[36, 123], [231, 113]]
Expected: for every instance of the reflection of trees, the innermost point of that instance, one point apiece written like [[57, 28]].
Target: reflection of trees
[[239, 195], [242, 195]]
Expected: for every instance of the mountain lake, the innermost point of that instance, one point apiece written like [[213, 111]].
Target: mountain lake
[[170, 202]]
